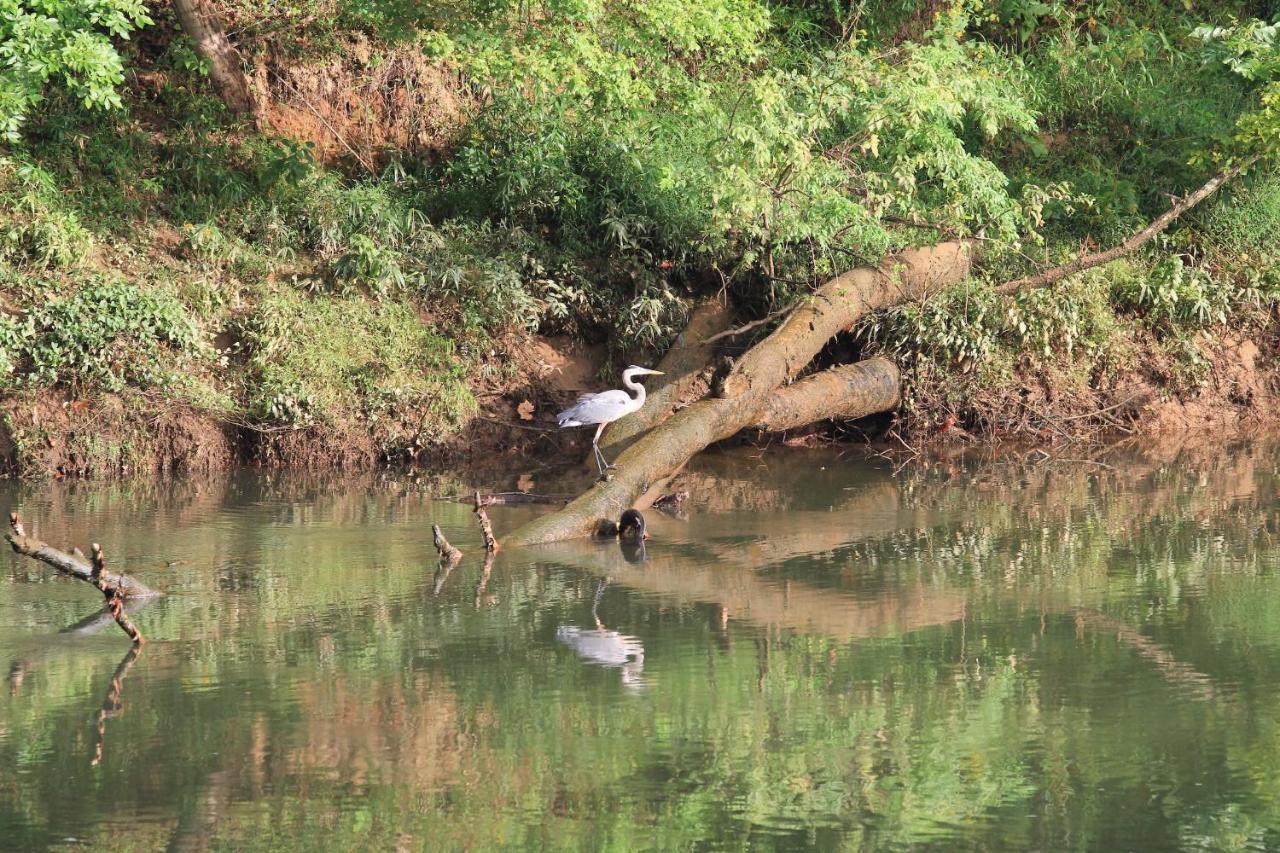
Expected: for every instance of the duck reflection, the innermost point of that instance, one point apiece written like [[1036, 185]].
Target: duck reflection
[[605, 647]]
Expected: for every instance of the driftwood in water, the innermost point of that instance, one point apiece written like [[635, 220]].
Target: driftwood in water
[[486, 526], [493, 498], [69, 564], [115, 588], [682, 368], [448, 553], [744, 395]]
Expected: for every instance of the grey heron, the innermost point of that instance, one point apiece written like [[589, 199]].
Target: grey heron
[[605, 408]]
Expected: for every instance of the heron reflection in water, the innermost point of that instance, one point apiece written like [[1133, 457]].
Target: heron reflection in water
[[604, 647]]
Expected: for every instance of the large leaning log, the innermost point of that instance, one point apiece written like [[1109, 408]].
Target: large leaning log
[[682, 368], [835, 307]]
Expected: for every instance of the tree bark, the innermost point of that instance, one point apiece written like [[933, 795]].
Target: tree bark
[[846, 392], [1134, 241], [71, 566], [682, 369], [201, 22], [835, 307]]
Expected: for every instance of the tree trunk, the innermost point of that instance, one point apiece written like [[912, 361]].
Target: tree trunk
[[201, 22], [846, 392], [835, 307]]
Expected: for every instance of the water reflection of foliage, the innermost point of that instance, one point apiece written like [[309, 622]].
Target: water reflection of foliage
[[338, 701]]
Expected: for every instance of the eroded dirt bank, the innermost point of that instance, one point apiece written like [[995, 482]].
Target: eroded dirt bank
[[54, 434]]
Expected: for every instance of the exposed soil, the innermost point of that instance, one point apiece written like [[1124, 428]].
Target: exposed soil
[[361, 105], [53, 435]]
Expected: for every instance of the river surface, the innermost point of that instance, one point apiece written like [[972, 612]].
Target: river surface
[[815, 651]]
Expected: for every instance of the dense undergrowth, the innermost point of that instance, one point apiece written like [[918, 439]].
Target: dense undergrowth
[[614, 163]]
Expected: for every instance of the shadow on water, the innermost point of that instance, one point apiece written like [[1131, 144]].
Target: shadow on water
[[1015, 652]]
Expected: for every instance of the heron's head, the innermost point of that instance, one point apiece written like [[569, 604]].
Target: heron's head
[[634, 370]]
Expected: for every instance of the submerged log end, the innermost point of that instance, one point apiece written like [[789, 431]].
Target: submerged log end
[[449, 555], [486, 526]]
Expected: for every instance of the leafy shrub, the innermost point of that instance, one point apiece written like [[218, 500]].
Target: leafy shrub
[[328, 360], [40, 230], [70, 41], [108, 334]]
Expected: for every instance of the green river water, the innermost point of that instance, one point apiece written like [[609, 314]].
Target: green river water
[[817, 651]]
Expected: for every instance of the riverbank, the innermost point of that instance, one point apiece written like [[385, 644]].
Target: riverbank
[[384, 263]]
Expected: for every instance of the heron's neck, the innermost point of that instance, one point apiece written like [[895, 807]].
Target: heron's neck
[[635, 387]]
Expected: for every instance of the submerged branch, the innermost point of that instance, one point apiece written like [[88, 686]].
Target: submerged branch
[[115, 588]]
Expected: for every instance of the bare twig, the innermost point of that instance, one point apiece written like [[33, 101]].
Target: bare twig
[[1134, 241], [754, 324]]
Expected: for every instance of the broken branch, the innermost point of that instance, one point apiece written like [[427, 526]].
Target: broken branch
[[1135, 240], [66, 563]]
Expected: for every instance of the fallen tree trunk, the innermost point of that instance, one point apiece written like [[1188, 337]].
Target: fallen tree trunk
[[682, 369], [70, 565], [835, 307], [846, 392]]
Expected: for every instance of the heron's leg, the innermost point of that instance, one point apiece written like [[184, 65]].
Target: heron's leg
[[603, 465], [595, 442], [595, 603]]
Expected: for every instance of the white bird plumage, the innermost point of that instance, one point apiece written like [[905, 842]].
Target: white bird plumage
[[606, 407]]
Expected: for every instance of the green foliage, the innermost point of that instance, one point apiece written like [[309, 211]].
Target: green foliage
[[741, 156], [1252, 51], [64, 41], [1247, 221], [40, 231], [325, 360], [105, 335]]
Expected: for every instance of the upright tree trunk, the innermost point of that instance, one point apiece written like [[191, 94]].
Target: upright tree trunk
[[200, 21]]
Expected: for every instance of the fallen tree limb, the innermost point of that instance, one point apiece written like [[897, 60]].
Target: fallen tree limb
[[846, 392], [114, 588], [682, 367], [835, 307], [1135, 240], [69, 565]]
